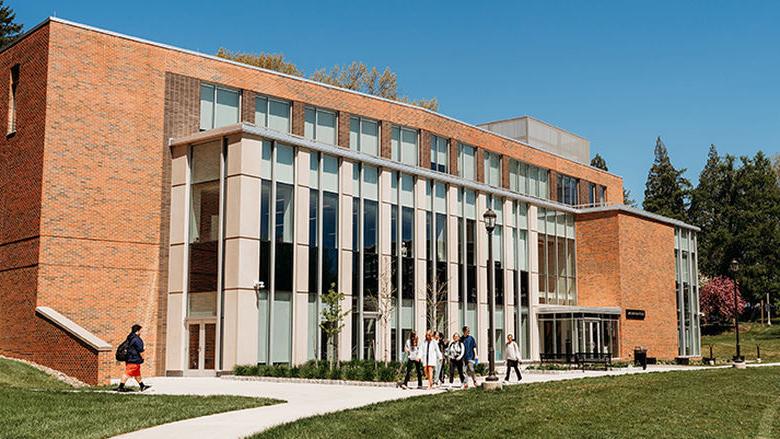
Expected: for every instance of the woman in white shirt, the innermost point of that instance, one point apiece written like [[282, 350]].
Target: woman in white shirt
[[412, 353], [431, 355], [512, 357]]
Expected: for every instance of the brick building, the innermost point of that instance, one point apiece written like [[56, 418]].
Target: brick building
[[214, 203]]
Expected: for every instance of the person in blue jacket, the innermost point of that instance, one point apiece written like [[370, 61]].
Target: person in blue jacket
[[469, 356], [134, 360]]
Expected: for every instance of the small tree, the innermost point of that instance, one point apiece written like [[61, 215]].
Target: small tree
[[599, 162], [436, 297], [717, 300], [332, 320], [384, 304]]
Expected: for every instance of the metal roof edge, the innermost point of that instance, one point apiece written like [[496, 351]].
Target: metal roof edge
[[640, 212]]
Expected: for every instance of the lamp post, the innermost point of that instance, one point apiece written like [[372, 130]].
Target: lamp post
[[734, 269], [490, 225]]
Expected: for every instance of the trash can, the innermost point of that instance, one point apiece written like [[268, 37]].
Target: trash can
[[640, 357]]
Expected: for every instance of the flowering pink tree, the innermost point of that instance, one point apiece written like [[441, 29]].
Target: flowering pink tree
[[717, 299]]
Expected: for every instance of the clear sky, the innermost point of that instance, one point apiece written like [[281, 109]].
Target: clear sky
[[617, 73]]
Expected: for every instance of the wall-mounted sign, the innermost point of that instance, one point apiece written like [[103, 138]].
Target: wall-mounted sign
[[635, 314]]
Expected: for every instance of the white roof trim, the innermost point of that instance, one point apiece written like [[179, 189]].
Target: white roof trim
[[73, 328], [642, 213], [302, 79]]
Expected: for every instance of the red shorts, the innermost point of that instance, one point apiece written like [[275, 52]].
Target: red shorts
[[133, 370]]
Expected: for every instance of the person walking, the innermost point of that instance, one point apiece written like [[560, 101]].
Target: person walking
[[430, 356], [412, 352], [135, 346], [512, 357], [470, 357], [455, 354], [443, 343], [437, 338]]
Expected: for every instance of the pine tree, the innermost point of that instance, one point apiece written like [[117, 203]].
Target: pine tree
[[666, 190], [627, 200], [708, 213], [9, 30], [754, 220], [599, 162]]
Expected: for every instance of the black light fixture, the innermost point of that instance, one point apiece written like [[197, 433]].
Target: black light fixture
[[490, 225], [734, 266]]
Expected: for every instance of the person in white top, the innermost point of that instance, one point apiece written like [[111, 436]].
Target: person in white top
[[412, 354], [512, 357], [430, 356]]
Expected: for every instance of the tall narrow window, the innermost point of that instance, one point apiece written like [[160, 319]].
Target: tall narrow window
[[439, 147], [364, 135], [492, 169], [403, 145], [466, 161], [12, 86]]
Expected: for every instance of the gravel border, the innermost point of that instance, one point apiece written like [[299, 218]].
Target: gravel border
[[69, 380]]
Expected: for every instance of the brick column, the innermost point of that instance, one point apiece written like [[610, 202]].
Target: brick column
[[425, 149], [298, 117], [479, 158], [505, 172], [248, 106], [583, 189], [343, 134], [552, 185], [386, 137], [453, 156]]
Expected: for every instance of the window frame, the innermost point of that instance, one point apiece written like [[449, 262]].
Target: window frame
[[215, 87]]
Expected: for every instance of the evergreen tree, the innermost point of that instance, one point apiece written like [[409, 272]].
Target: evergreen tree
[[9, 30], [666, 190], [627, 200], [707, 212], [754, 223], [599, 162]]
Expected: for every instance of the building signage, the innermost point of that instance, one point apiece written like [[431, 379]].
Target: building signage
[[635, 314]]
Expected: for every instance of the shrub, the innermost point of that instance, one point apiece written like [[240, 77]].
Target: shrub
[[481, 369], [355, 370]]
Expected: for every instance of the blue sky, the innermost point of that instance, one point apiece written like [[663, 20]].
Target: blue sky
[[617, 73]]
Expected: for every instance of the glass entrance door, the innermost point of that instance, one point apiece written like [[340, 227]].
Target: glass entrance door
[[202, 346], [589, 336]]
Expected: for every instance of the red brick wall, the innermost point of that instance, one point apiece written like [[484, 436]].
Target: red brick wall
[[21, 162], [628, 261]]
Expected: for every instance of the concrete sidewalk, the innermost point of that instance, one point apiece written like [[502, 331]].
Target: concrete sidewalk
[[305, 400]]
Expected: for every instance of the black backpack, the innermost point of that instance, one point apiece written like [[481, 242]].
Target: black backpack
[[122, 350]]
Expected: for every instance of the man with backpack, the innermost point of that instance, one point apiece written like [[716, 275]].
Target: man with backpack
[[130, 352]]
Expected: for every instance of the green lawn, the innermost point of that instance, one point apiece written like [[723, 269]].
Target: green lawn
[[750, 335], [34, 405], [719, 403]]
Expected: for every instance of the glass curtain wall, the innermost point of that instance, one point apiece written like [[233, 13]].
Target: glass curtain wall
[[687, 273], [402, 238], [520, 276], [323, 244], [564, 334], [436, 256], [365, 260], [276, 253], [497, 204], [556, 253], [467, 260], [567, 191]]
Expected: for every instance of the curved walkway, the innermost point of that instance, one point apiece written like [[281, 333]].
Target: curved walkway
[[304, 400]]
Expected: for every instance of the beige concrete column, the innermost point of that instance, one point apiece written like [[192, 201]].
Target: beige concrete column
[[452, 260], [177, 260], [300, 311], [421, 282], [482, 300], [383, 328], [345, 259], [533, 283], [242, 252]]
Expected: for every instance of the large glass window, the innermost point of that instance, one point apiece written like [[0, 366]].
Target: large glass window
[[320, 124], [219, 106], [557, 258], [467, 161], [439, 153], [567, 190], [364, 135], [403, 145], [492, 169], [204, 232], [272, 113]]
